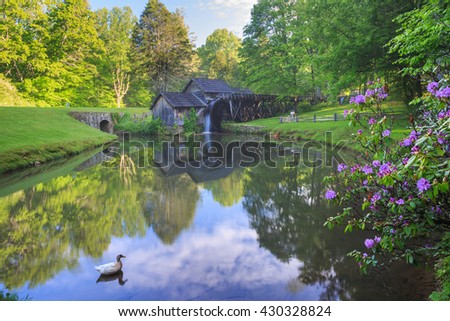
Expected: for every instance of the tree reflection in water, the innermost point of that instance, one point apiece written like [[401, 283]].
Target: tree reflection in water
[[46, 227], [286, 208]]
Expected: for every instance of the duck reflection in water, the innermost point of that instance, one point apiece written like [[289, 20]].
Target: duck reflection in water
[[112, 277]]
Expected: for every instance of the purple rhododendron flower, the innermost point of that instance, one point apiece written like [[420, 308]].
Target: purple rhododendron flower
[[443, 93], [385, 170], [372, 121], [382, 96], [370, 92], [355, 168], [414, 135], [342, 167], [377, 239], [386, 133], [369, 243], [436, 209], [346, 113], [365, 182], [423, 184], [367, 169], [330, 194], [405, 160], [360, 99], [441, 137], [360, 132], [375, 198], [415, 150], [400, 201], [432, 87], [407, 142], [376, 163]]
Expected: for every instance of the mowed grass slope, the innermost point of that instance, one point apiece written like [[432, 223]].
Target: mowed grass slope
[[30, 135]]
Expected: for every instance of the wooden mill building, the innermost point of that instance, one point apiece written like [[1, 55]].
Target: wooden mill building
[[173, 107]]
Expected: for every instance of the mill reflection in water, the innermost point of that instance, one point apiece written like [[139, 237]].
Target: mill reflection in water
[[239, 233]]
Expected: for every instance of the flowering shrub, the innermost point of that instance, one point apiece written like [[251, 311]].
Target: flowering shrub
[[402, 191]]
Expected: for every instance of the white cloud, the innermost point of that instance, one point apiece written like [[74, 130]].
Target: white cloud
[[236, 13]]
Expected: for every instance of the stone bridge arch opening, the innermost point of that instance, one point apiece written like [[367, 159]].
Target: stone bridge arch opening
[[218, 111], [106, 126]]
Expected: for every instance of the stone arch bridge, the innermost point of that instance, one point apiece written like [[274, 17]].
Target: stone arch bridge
[[102, 121]]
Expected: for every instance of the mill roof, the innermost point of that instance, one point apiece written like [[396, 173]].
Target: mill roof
[[182, 99], [211, 85]]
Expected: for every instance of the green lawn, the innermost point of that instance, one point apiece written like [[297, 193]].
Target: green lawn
[[29, 135], [306, 129]]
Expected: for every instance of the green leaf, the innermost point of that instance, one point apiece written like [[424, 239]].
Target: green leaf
[[439, 151], [408, 231], [409, 258], [348, 228], [421, 140], [443, 187], [411, 161], [388, 181], [365, 205]]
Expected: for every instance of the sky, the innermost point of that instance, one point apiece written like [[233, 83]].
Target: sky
[[201, 16]]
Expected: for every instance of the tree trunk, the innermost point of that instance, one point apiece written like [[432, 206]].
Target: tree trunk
[[121, 85]]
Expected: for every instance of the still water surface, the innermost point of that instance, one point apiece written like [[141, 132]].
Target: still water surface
[[252, 233]]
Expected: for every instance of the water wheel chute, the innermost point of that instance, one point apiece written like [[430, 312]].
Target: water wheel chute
[[216, 112]]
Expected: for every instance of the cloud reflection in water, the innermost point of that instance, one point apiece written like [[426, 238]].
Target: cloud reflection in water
[[223, 264]]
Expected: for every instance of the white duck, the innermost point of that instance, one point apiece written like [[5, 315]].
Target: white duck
[[111, 268]]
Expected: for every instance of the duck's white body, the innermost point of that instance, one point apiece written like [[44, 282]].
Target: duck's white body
[[111, 268]]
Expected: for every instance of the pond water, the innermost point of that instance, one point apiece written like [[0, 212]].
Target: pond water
[[217, 230]]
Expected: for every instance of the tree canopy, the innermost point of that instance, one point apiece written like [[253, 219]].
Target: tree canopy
[[314, 47], [59, 52], [220, 56], [161, 46]]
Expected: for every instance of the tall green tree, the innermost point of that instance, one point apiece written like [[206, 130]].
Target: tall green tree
[[161, 47], [220, 56], [267, 60], [24, 32], [115, 29], [74, 50]]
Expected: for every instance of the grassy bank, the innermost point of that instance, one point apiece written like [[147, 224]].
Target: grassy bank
[[29, 136], [307, 129]]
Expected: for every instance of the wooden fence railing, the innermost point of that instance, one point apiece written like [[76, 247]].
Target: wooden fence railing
[[335, 117]]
